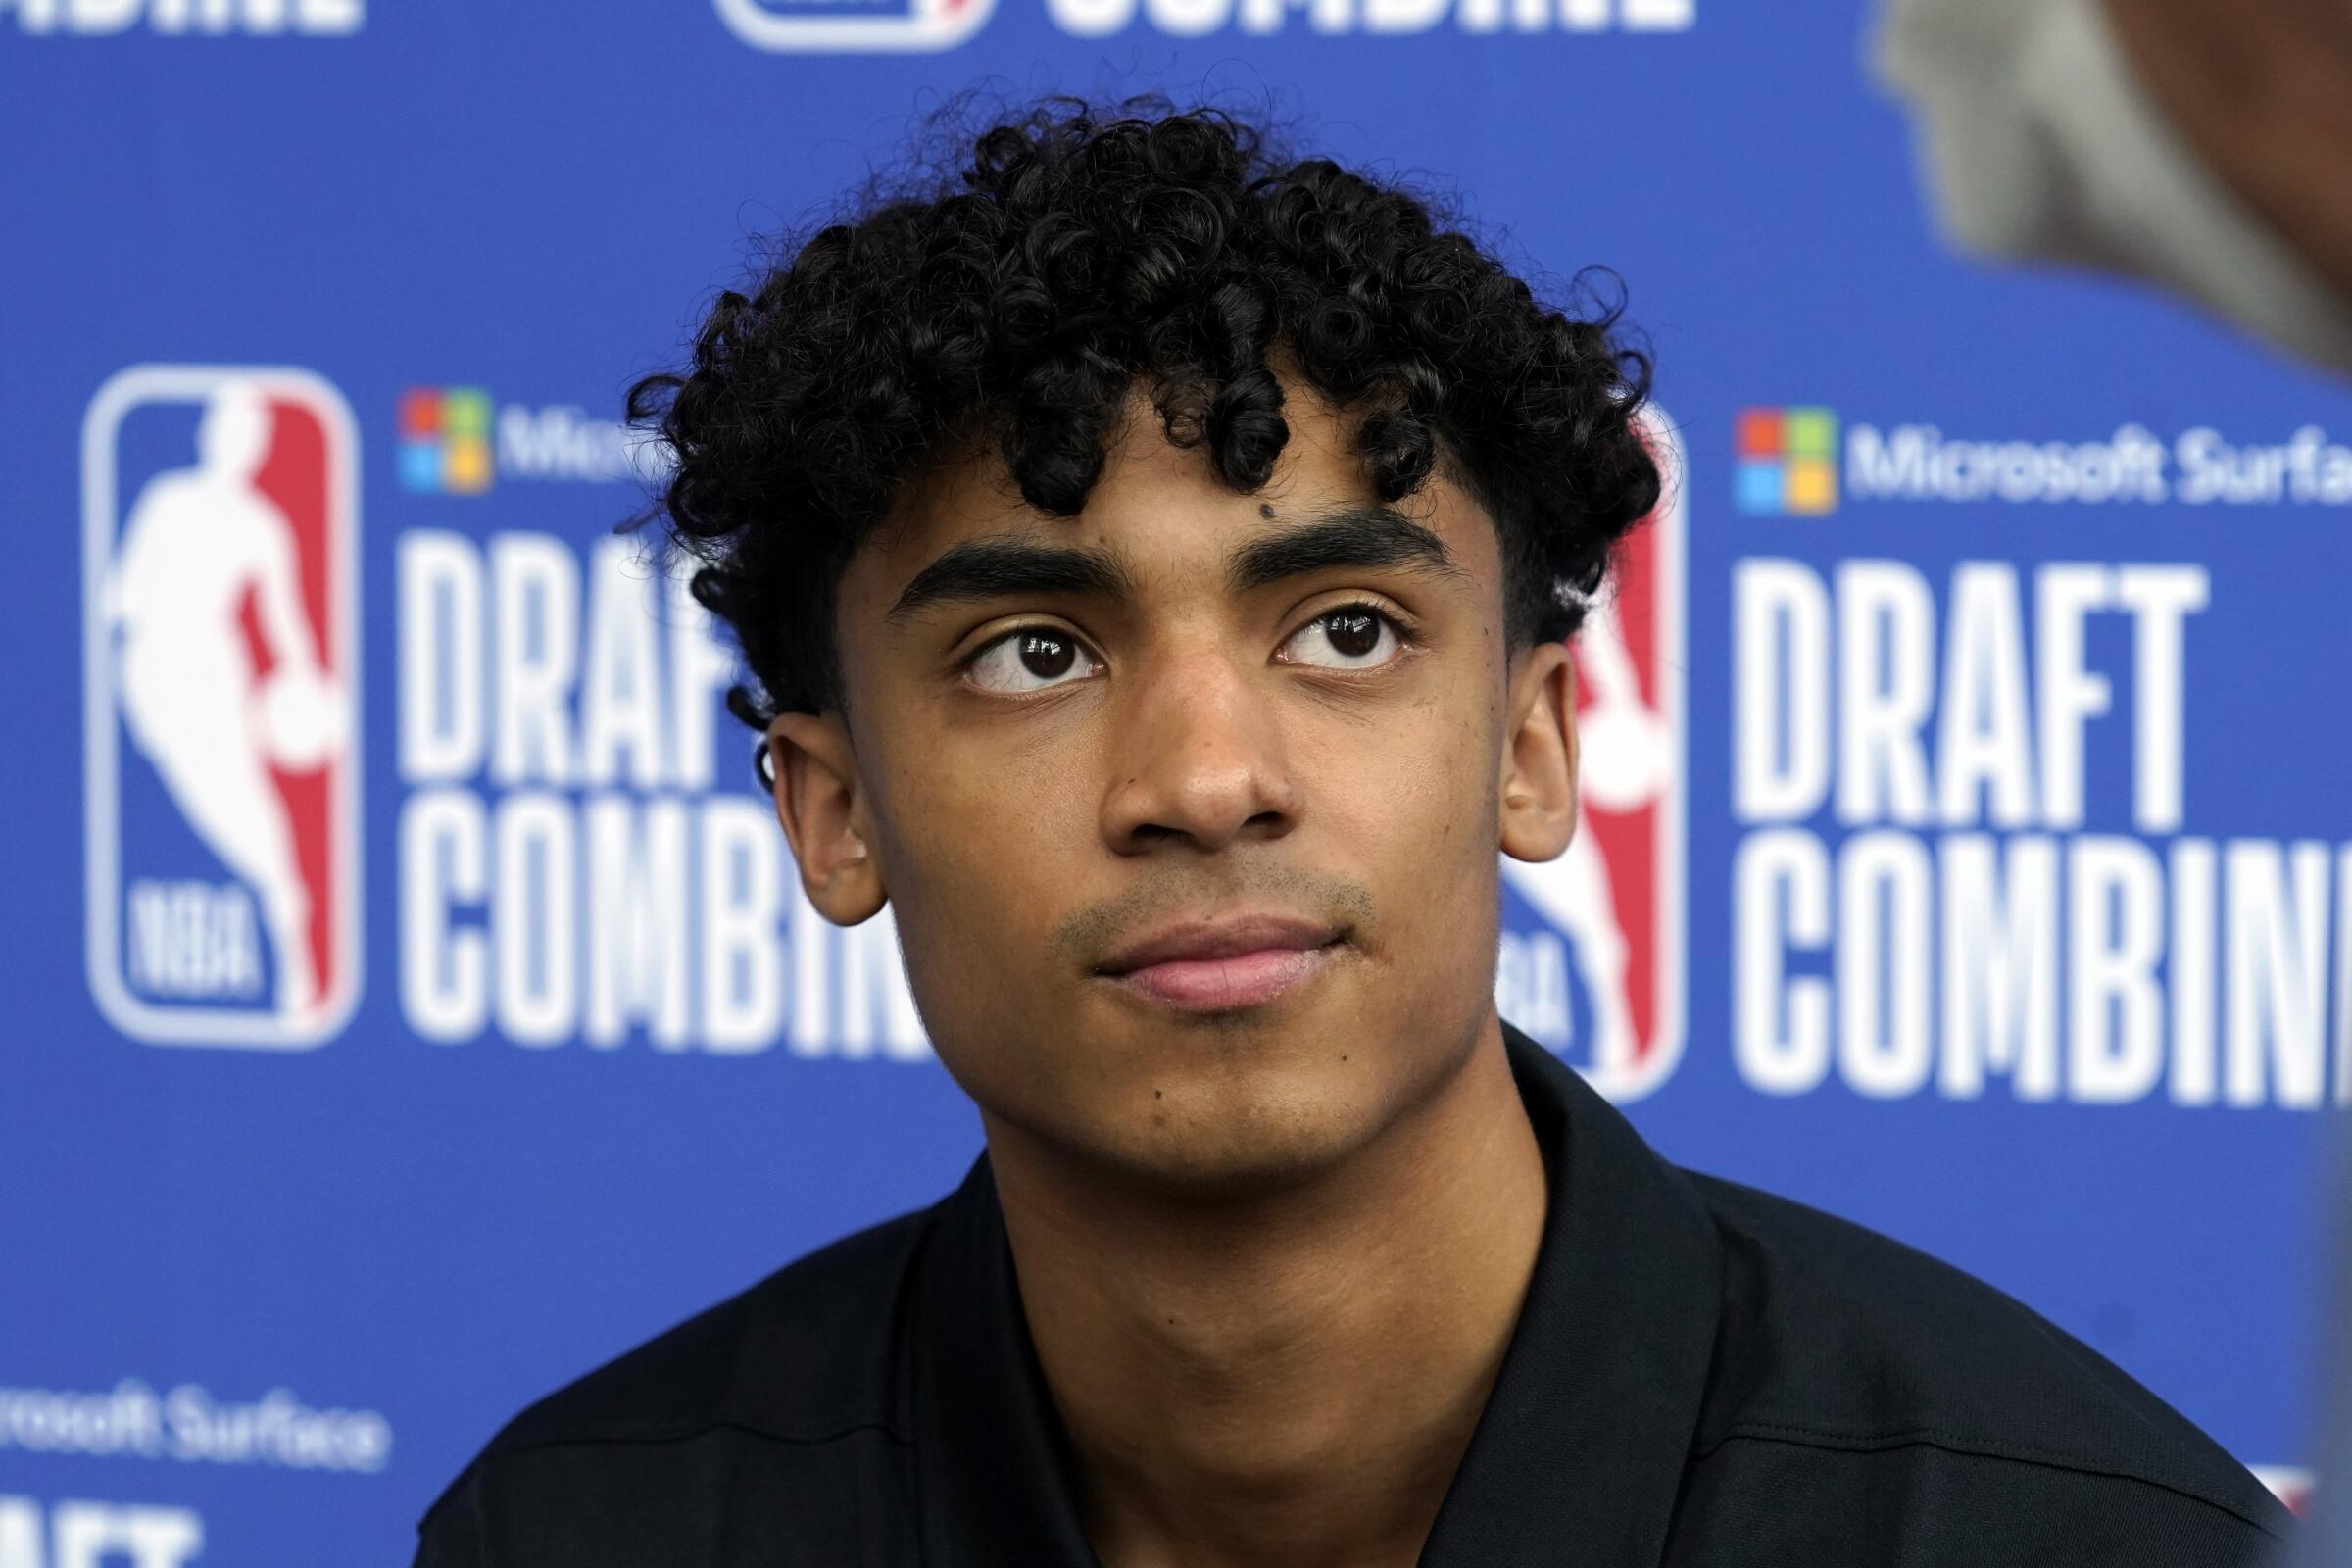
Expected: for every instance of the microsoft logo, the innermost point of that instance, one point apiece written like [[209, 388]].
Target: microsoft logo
[[445, 439], [1788, 461]]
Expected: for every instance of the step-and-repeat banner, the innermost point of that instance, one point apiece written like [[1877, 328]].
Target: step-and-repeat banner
[[410, 1003]]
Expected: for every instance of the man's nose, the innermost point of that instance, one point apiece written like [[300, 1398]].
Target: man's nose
[[1197, 755]]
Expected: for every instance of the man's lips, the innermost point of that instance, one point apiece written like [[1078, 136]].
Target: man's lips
[[1219, 965]]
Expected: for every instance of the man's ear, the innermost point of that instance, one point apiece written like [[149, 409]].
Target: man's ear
[[1538, 756], [824, 815]]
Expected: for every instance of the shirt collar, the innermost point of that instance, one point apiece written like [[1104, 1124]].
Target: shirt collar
[[1583, 1439]]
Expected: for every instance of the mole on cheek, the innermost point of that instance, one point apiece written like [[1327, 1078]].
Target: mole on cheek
[[1265, 510]]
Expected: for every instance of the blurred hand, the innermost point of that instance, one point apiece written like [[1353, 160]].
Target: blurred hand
[[2198, 144], [2263, 91]]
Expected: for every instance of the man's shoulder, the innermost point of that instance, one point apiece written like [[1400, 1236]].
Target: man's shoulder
[[803, 1358], [804, 1349], [1837, 1339]]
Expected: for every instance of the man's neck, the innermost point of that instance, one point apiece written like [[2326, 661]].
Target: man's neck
[[1289, 1380]]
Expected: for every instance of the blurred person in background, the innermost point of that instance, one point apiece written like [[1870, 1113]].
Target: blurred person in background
[[2200, 146]]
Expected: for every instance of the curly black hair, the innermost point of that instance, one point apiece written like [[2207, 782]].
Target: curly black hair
[[1080, 253]]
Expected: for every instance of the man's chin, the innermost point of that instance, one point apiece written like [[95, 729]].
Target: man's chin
[[1211, 1104], [1231, 1170], [1260, 1118]]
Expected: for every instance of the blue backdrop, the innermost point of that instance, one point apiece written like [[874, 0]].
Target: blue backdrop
[[411, 1005]]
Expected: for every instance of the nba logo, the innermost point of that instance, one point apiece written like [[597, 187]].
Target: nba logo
[[861, 26], [220, 700], [1597, 975], [2291, 1487]]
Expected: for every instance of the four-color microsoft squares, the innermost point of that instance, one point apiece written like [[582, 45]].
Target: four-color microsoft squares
[[1788, 461], [445, 439]]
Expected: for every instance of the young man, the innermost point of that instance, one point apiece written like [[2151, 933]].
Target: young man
[[1153, 560]]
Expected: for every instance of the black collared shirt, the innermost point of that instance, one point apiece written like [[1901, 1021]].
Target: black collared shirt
[[1701, 1374]]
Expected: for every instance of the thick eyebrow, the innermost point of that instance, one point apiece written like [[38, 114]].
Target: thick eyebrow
[[993, 568], [1347, 535]]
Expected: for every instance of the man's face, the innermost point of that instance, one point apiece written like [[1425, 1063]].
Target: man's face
[[1188, 805]]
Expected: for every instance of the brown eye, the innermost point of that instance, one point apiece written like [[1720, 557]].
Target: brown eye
[[1351, 633], [1030, 660], [1047, 658], [1351, 637]]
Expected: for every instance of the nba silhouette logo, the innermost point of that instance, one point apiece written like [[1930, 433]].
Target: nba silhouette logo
[[1608, 914], [220, 701]]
